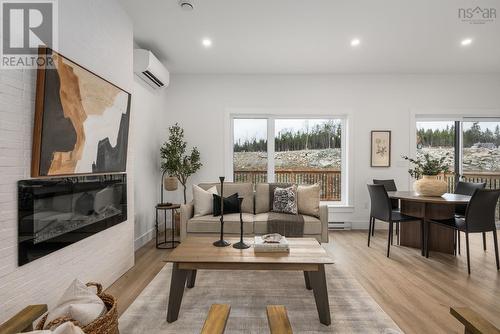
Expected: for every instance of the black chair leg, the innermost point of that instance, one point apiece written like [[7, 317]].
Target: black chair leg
[[495, 241], [468, 253], [373, 227], [389, 239], [484, 241], [397, 232], [422, 238], [427, 231], [455, 243], [370, 231], [392, 237], [458, 238]]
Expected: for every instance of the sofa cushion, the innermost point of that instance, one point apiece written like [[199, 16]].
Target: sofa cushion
[[308, 199], [285, 200], [244, 190], [312, 225], [211, 224], [262, 198], [231, 204], [203, 200], [272, 190]]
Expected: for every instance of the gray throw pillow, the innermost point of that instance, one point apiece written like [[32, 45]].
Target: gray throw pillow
[[285, 200]]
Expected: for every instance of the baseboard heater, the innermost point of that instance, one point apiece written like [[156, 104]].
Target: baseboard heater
[[339, 226]]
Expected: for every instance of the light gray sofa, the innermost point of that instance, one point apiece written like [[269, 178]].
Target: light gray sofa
[[255, 208]]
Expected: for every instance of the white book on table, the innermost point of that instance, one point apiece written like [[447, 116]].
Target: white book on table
[[261, 246]]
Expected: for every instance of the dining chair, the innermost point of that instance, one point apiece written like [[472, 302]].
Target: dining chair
[[381, 209], [466, 188], [389, 185], [479, 217]]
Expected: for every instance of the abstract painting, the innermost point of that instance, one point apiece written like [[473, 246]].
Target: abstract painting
[[81, 121], [381, 148]]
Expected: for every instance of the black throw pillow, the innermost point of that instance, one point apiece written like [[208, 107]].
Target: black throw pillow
[[230, 204]]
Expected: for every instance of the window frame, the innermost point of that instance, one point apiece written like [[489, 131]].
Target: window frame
[[458, 142], [271, 119]]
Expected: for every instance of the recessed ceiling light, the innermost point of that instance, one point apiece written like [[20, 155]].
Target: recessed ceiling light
[[186, 5], [466, 42], [355, 42], [207, 42]]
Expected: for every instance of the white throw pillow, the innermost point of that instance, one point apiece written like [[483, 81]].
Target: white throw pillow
[[203, 200], [80, 303]]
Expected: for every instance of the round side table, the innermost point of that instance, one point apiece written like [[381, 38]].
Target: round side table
[[166, 244]]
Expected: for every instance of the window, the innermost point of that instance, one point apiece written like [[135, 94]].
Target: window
[[471, 147], [290, 150], [438, 140], [480, 149], [249, 150]]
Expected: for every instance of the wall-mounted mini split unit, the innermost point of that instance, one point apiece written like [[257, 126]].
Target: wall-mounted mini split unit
[[150, 69]]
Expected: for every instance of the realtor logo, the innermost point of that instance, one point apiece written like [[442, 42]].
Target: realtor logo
[[477, 15], [26, 25]]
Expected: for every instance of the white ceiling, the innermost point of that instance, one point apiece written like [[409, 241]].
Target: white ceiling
[[313, 36]]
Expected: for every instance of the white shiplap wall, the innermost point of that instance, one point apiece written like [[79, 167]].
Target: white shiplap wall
[[98, 35]]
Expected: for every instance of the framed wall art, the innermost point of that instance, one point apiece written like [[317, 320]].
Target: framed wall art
[[380, 148], [81, 120]]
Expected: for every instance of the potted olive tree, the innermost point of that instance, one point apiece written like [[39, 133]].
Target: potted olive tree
[[176, 163], [426, 171]]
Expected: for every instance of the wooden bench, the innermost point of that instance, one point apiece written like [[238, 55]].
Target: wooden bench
[[278, 319], [23, 321], [474, 323], [216, 319]]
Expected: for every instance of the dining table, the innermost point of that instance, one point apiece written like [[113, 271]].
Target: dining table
[[441, 238]]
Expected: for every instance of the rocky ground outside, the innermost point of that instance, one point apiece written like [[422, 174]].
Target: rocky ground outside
[[474, 159], [315, 159]]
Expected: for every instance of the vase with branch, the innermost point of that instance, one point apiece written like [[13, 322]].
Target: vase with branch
[[176, 162], [426, 170]]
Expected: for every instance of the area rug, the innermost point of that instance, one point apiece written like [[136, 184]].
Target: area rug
[[248, 292]]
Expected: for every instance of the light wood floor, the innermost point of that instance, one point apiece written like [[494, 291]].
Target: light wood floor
[[416, 292]]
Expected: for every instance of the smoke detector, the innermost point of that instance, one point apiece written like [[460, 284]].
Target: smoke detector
[[186, 5]]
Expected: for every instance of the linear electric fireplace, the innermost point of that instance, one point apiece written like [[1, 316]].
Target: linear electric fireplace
[[54, 213]]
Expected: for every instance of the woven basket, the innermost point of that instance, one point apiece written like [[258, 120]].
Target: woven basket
[[105, 324]]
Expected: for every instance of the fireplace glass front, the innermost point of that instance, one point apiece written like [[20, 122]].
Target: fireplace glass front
[[54, 213]]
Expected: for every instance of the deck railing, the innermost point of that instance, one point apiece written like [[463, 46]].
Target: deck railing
[[329, 180]]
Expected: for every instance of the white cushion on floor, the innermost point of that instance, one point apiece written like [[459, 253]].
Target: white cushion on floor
[[79, 303]]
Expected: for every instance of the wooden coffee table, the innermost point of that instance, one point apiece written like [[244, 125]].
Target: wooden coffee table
[[195, 253]]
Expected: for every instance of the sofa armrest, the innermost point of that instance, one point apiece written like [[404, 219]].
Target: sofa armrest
[[187, 212], [323, 217]]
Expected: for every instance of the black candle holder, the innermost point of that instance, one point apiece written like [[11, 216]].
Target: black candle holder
[[241, 244], [221, 242]]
